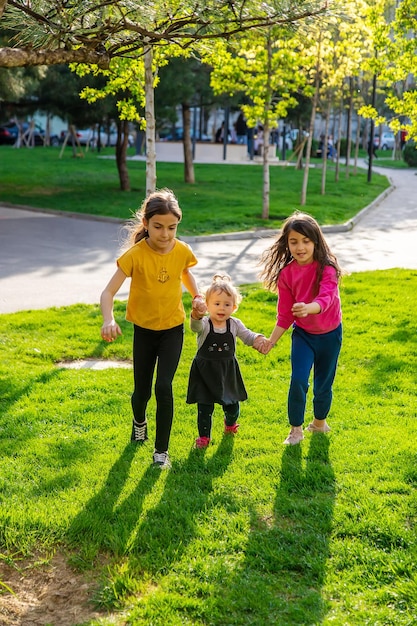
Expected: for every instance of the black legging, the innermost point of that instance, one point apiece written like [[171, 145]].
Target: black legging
[[205, 416], [150, 346]]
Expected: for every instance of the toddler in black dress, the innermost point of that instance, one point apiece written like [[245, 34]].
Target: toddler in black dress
[[215, 375]]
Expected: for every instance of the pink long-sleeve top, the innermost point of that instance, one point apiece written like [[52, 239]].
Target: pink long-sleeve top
[[296, 284]]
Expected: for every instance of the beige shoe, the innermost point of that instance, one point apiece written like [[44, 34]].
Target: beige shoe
[[294, 437], [312, 428]]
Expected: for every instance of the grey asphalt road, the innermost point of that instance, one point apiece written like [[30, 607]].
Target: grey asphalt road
[[56, 260]]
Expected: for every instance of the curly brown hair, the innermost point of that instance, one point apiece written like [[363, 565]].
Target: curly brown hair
[[277, 256]]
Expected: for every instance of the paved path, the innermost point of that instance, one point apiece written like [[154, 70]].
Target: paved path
[[55, 260]]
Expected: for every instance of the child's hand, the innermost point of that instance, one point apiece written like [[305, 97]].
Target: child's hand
[[199, 307], [258, 342], [267, 347], [299, 309], [110, 331], [262, 344]]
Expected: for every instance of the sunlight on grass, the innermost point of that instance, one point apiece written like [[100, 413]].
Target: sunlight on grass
[[224, 198], [247, 531]]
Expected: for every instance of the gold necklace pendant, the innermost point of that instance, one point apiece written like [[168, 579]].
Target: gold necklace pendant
[[163, 275]]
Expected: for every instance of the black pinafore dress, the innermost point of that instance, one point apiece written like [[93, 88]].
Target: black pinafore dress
[[215, 375]]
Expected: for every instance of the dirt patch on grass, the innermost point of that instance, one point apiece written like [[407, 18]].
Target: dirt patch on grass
[[50, 594]]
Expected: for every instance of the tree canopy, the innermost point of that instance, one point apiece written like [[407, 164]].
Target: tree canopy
[[48, 32]]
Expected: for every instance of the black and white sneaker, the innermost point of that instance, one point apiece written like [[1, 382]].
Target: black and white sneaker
[[161, 459], [139, 431]]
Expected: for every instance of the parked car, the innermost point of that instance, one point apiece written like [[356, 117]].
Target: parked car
[[111, 139], [9, 134], [386, 141], [89, 136], [7, 137], [178, 135]]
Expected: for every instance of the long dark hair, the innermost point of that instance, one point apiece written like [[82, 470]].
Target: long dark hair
[[160, 202], [277, 256]]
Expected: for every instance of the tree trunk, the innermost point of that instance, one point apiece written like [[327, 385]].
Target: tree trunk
[[357, 140], [311, 129], [121, 151], [325, 147], [266, 181], [349, 126], [188, 148], [150, 123], [339, 130]]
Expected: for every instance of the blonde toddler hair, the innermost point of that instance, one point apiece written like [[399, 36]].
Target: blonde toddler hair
[[223, 283]]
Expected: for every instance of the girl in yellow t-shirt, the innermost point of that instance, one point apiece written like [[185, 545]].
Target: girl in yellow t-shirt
[[158, 265]]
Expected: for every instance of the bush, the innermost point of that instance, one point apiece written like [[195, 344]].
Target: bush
[[410, 154]]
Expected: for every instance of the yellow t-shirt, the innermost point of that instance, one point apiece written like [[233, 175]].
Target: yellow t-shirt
[[155, 295]]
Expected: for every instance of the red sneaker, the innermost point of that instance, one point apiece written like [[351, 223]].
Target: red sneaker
[[202, 442], [230, 429]]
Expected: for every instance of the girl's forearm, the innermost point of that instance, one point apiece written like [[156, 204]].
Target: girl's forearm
[[106, 305], [190, 282], [276, 334], [107, 296]]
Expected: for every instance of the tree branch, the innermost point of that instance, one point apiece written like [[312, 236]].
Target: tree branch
[[68, 39], [23, 57]]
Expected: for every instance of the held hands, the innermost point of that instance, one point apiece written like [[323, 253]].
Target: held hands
[[262, 344], [199, 307], [110, 331]]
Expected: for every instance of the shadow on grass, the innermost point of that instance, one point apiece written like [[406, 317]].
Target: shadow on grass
[[168, 528], [284, 569], [102, 526], [159, 537]]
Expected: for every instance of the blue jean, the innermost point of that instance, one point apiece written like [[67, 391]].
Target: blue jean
[[160, 348], [307, 350]]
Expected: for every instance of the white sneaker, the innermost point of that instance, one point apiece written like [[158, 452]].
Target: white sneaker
[[161, 459], [295, 436], [312, 428]]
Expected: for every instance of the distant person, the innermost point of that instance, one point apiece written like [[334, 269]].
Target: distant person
[[331, 152], [259, 140], [305, 273], [241, 130], [219, 138], [215, 375], [158, 265], [250, 142], [219, 134], [372, 149]]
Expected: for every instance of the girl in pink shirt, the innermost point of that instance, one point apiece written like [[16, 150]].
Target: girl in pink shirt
[[301, 268]]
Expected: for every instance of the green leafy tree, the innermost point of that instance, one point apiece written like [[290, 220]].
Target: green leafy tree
[[185, 82], [50, 32], [264, 66], [401, 69], [392, 61], [105, 35]]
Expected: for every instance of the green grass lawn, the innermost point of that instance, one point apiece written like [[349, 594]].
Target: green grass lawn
[[248, 532], [224, 198]]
